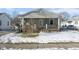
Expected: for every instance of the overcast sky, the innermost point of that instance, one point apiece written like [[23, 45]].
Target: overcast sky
[[15, 11]]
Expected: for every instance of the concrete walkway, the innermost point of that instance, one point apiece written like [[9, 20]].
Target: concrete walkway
[[36, 45]]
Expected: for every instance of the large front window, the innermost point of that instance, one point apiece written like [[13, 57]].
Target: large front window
[[51, 22]]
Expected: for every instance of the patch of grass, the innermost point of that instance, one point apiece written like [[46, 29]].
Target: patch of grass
[[3, 33], [29, 34]]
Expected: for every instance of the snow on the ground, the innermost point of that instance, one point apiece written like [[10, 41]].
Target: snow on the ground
[[69, 36]]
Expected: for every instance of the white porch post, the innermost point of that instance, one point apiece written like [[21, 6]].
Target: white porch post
[[46, 26], [22, 22], [59, 23]]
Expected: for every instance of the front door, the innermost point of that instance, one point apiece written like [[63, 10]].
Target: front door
[[41, 22]]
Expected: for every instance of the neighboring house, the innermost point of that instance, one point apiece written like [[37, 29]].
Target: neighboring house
[[4, 21], [72, 21], [63, 23], [67, 22], [40, 19]]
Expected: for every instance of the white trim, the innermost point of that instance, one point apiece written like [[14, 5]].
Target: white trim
[[59, 24], [22, 21]]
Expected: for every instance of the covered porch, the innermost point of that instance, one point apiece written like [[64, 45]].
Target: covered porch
[[41, 24]]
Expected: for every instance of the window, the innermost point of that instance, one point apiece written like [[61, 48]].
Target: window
[[0, 22], [69, 21], [8, 23], [25, 18], [76, 22], [51, 22]]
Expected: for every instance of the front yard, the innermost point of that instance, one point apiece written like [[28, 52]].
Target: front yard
[[42, 37]]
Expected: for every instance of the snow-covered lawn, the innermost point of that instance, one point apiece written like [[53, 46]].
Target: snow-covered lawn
[[69, 36]]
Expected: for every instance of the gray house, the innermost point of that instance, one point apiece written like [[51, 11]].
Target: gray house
[[5, 21], [40, 19]]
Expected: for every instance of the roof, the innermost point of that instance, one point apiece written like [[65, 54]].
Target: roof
[[40, 13], [6, 15], [2, 13], [76, 18]]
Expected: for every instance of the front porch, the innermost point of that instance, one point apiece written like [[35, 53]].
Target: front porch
[[40, 24]]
